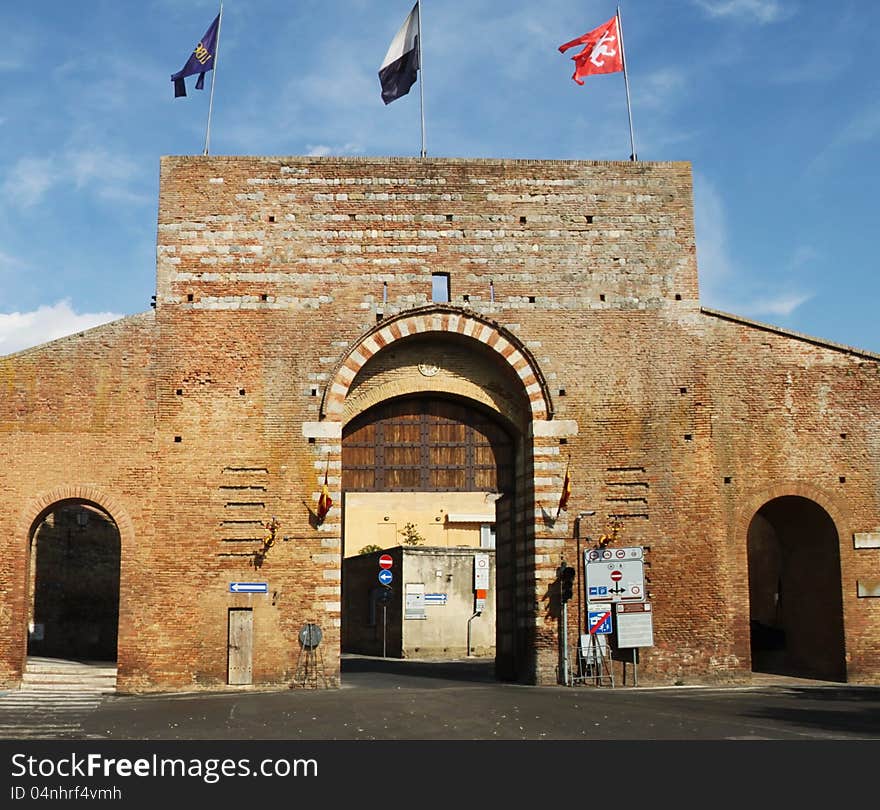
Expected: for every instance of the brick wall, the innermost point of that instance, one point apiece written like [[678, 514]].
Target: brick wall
[[578, 282]]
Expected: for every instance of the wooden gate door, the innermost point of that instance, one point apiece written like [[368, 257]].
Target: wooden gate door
[[240, 645]]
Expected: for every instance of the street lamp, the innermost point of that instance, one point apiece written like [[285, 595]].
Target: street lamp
[[580, 564]]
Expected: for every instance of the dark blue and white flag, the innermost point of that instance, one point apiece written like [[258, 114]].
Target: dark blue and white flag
[[401, 64], [201, 61]]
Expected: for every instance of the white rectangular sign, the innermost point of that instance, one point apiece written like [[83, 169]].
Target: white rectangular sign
[[635, 625], [481, 572], [614, 580], [414, 601]]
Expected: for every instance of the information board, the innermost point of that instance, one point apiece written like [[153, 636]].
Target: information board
[[414, 601], [635, 625]]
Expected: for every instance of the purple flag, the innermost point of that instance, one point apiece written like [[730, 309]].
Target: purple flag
[[201, 61]]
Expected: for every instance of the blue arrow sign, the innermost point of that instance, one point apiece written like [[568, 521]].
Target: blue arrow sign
[[385, 576], [249, 587]]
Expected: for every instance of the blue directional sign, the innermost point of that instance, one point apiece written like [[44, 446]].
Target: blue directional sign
[[385, 576], [249, 587]]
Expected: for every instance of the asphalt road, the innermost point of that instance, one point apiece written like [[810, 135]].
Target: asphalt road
[[429, 727], [395, 700]]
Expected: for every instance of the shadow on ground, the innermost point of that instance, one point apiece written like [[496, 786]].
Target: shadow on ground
[[479, 670]]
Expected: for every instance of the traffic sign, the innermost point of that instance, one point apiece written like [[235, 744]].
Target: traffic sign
[[609, 580], [627, 553], [600, 619], [249, 587], [385, 576], [385, 561]]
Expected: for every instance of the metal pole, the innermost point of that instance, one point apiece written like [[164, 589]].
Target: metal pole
[[213, 77], [421, 81], [565, 644], [635, 666], [384, 622], [632, 139], [476, 613], [581, 569]]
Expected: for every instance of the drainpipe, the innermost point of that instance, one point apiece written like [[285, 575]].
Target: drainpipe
[[477, 613]]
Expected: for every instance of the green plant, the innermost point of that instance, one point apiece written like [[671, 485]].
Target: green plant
[[411, 536], [369, 549]]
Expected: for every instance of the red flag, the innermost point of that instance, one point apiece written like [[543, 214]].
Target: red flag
[[602, 52], [324, 501], [566, 492]]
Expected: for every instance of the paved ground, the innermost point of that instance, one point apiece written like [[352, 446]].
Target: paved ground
[[411, 700]]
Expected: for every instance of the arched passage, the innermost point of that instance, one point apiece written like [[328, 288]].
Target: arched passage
[[795, 600], [75, 553], [430, 477]]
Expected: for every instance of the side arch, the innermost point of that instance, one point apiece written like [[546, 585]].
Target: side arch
[[757, 498], [443, 319], [37, 508], [795, 604]]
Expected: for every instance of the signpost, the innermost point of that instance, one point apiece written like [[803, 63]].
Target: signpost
[[614, 578], [635, 628], [385, 578]]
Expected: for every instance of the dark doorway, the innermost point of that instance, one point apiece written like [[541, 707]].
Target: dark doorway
[[74, 579], [795, 600]]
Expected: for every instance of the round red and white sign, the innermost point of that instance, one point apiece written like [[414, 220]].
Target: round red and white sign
[[385, 561], [616, 576]]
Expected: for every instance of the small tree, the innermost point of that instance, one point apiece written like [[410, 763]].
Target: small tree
[[411, 536], [369, 549]]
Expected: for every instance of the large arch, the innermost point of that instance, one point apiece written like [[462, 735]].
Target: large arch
[[794, 587], [496, 361], [443, 320]]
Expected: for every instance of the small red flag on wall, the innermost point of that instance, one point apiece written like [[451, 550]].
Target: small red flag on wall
[[566, 491], [324, 501], [602, 52]]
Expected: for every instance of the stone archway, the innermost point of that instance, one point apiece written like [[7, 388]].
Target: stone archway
[[103, 510], [445, 321], [73, 583], [795, 599], [482, 363]]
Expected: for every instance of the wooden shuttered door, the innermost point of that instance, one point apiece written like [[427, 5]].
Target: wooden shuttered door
[[426, 445]]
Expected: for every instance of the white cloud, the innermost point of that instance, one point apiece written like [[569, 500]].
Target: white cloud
[[781, 304], [727, 287], [109, 176], [28, 180], [20, 330], [711, 233], [762, 11], [661, 89], [9, 262], [325, 150]]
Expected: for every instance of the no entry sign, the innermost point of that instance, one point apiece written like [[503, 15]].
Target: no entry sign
[[385, 561], [620, 580]]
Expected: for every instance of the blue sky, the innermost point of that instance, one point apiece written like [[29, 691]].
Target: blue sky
[[776, 103]]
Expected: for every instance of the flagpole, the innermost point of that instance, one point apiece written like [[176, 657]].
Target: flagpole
[[421, 80], [213, 77], [632, 139]]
